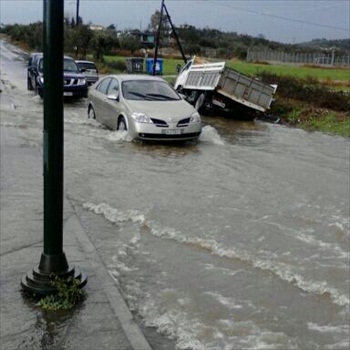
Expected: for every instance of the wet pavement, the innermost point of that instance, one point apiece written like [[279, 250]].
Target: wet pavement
[[103, 321]]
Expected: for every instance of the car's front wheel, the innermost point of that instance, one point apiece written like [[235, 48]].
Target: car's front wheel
[[91, 113], [122, 124]]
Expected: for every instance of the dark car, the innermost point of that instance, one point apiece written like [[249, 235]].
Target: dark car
[[89, 69], [74, 82]]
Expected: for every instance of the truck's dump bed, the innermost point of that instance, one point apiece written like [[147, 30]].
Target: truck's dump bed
[[230, 83], [248, 91]]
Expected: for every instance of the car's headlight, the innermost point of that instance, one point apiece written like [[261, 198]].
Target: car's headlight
[[81, 81], [141, 118], [41, 80], [195, 118]]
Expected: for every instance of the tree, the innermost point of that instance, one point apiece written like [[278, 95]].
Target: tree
[[165, 26], [129, 42], [111, 27], [102, 43], [82, 37], [35, 36], [188, 33]]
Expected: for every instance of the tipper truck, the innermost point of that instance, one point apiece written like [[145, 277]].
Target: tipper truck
[[210, 86]]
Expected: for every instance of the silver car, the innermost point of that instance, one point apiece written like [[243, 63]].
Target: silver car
[[89, 69], [146, 106]]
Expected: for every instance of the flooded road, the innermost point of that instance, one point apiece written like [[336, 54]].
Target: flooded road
[[238, 242]]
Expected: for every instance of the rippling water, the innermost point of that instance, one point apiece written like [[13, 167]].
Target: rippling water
[[240, 241]]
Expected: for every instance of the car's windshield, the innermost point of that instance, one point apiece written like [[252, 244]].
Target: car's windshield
[[68, 65], [148, 90], [41, 65], [88, 66]]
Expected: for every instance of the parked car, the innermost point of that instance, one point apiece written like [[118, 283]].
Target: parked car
[[33, 58], [89, 69], [74, 82], [147, 107]]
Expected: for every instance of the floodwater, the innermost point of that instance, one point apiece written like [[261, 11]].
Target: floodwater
[[240, 241]]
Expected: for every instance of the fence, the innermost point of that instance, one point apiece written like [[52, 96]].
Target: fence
[[329, 59]]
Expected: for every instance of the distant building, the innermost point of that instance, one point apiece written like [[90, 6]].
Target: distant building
[[146, 38], [96, 27]]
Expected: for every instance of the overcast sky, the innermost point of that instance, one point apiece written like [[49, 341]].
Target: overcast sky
[[289, 21]]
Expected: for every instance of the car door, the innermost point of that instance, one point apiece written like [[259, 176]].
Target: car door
[[112, 106], [34, 71], [99, 98]]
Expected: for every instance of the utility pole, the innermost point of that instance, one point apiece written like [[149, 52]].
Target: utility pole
[[163, 7], [53, 262], [155, 58], [77, 14], [175, 34], [76, 26]]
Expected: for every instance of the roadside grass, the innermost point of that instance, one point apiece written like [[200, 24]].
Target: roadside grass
[[321, 120], [330, 123], [305, 115]]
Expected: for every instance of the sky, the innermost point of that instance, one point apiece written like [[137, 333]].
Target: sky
[[287, 21]]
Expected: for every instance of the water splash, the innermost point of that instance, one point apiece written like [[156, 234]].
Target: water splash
[[210, 135]]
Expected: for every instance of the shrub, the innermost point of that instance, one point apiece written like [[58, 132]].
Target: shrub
[[68, 295], [308, 90], [119, 66]]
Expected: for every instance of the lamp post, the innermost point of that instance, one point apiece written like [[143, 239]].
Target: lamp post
[[53, 261]]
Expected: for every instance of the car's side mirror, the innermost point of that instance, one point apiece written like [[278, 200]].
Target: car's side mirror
[[83, 70], [114, 96]]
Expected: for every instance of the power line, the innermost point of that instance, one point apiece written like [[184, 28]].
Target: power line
[[277, 16]]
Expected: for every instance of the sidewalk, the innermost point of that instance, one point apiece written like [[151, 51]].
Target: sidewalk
[[104, 320]]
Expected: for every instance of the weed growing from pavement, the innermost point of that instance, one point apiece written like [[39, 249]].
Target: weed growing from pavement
[[67, 297]]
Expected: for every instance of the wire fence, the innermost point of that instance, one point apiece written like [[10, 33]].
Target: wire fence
[[327, 59]]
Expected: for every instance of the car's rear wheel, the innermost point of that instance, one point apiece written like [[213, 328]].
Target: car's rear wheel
[[29, 84], [122, 124], [38, 91], [91, 113]]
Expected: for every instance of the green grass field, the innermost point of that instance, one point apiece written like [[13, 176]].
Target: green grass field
[[319, 73]]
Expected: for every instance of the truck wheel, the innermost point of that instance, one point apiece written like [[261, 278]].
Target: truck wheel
[[199, 102]]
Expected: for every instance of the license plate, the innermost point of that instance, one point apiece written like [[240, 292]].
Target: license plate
[[172, 131], [68, 93], [218, 103]]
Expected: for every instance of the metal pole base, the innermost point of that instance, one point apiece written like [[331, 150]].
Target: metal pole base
[[39, 281]]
